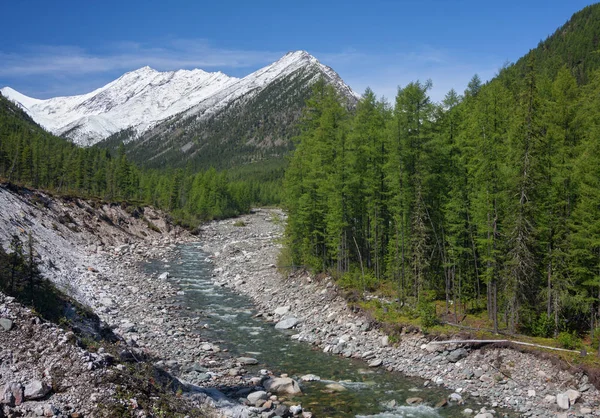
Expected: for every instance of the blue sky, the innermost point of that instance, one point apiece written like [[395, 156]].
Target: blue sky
[[72, 47]]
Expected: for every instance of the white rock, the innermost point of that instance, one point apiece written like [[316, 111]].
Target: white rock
[[385, 341], [282, 310], [287, 323], [562, 400], [573, 395], [255, 396]]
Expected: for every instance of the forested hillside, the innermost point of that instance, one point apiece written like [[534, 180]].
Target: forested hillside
[[488, 200], [32, 157]]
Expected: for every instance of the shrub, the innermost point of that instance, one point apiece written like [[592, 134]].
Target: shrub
[[427, 313], [543, 326], [569, 340]]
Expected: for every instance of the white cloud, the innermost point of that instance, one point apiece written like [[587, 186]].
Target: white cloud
[[173, 54], [385, 72], [47, 70]]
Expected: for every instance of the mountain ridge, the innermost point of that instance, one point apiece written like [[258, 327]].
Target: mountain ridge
[[142, 99]]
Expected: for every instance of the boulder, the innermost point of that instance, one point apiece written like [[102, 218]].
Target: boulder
[[376, 363], [310, 378], [12, 394], [282, 385], [455, 397], [562, 400], [257, 396], [282, 310], [414, 401], [281, 410], [36, 389], [457, 355], [287, 323], [295, 409], [247, 361], [336, 387], [164, 276], [573, 395], [5, 324]]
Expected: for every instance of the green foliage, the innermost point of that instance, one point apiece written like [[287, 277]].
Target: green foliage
[[543, 326], [31, 157], [20, 277], [427, 313], [569, 340], [490, 196]]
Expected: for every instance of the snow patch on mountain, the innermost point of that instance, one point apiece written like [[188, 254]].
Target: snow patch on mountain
[[143, 98]]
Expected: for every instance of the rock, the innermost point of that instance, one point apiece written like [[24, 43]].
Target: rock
[[282, 385], [455, 397], [441, 403], [36, 389], [295, 409], [585, 411], [414, 401], [531, 393], [376, 363], [164, 276], [336, 387], [433, 348], [573, 395], [6, 324], [256, 396], [467, 411], [310, 378], [50, 410], [281, 410], [12, 394], [282, 310], [484, 415], [385, 341], [457, 355], [550, 399], [562, 400], [202, 377], [247, 361], [287, 323]]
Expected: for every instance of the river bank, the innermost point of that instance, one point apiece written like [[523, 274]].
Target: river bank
[[96, 252], [92, 252], [245, 252]]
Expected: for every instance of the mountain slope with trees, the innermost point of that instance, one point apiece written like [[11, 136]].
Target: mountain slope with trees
[[487, 200], [31, 157]]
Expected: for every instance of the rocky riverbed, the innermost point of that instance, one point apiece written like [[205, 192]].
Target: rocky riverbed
[[245, 252], [94, 251]]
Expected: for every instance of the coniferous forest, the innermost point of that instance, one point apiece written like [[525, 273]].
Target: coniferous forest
[[489, 200]]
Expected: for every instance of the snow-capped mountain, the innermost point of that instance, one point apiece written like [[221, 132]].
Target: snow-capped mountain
[[140, 100]]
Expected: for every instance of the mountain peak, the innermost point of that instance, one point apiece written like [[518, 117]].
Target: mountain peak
[[142, 98]]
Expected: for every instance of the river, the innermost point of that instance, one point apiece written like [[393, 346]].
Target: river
[[231, 324]]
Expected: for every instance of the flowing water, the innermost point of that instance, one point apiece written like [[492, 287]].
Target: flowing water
[[366, 392]]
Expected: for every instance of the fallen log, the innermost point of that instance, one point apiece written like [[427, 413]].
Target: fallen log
[[505, 341]]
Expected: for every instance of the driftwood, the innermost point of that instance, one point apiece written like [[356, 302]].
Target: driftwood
[[504, 341]]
